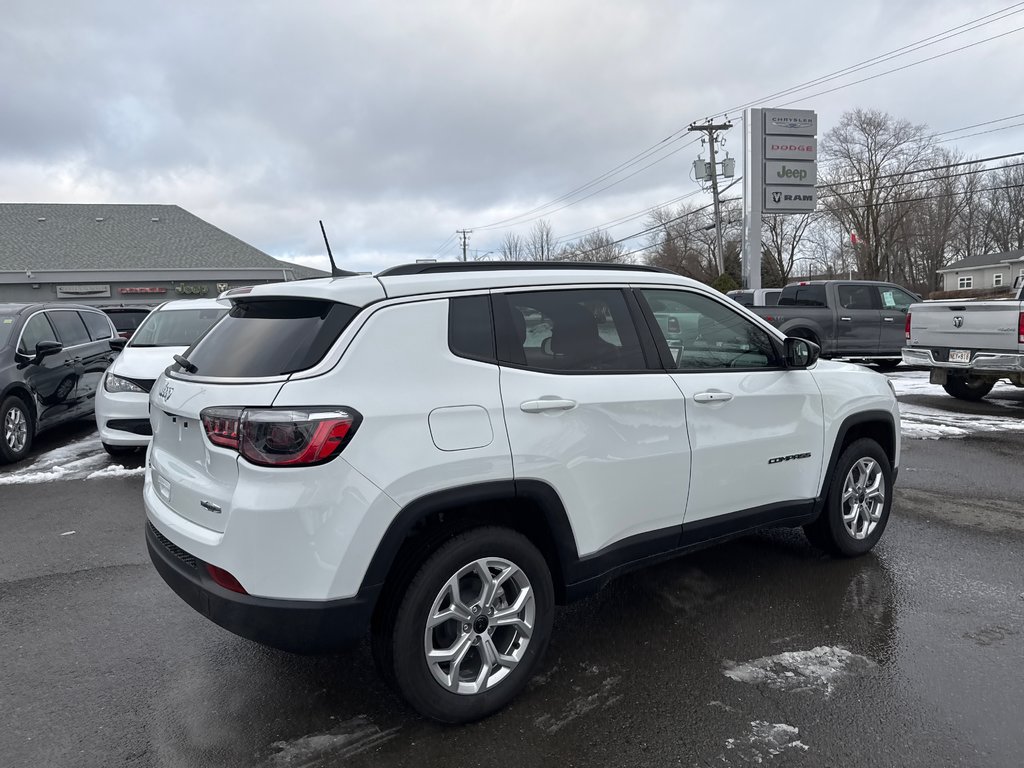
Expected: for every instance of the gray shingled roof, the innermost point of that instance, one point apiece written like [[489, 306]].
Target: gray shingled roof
[[983, 260], [47, 236]]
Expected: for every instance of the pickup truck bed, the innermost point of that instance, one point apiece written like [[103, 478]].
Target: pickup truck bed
[[968, 345]]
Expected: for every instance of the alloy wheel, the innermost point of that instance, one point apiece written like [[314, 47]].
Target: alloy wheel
[[479, 625], [863, 498], [16, 429]]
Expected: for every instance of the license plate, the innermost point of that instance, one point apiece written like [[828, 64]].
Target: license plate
[[959, 355]]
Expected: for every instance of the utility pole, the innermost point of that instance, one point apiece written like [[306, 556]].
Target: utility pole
[[711, 129], [464, 233]]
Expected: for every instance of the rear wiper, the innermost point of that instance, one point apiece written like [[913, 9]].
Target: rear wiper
[[184, 363]]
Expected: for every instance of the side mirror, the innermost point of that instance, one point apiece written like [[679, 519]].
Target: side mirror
[[117, 343], [545, 347], [46, 348], [801, 353]]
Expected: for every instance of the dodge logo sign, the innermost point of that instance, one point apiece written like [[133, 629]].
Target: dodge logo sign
[[958, 321]]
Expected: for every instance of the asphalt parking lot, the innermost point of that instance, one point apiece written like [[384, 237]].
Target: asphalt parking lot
[[757, 652]]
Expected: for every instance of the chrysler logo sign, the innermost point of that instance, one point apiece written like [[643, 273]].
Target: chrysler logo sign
[[958, 321]]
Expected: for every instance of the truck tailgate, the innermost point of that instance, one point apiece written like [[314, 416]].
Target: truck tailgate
[[980, 325]]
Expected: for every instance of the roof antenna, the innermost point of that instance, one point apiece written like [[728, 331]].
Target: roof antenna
[[335, 272]]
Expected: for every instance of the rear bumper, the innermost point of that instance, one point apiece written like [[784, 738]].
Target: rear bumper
[[299, 626], [981, 362]]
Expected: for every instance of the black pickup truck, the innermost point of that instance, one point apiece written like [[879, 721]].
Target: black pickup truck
[[855, 319]]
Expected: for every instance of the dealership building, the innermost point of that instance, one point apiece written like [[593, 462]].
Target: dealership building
[[133, 254]]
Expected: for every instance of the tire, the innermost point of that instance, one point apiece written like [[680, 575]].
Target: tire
[[462, 692], [862, 459], [967, 387], [888, 365], [16, 429], [118, 450]]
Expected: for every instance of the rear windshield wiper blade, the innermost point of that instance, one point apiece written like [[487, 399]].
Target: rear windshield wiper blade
[[185, 364]]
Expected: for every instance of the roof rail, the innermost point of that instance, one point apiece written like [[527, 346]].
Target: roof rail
[[488, 266]]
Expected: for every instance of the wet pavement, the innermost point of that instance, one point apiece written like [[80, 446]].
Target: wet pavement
[[757, 652]]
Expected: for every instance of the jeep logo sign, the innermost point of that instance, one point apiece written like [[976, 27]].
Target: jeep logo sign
[[783, 148], [790, 172]]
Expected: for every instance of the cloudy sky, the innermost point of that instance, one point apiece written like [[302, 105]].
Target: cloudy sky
[[400, 122]]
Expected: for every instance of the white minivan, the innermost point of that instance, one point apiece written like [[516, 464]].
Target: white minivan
[[122, 403]]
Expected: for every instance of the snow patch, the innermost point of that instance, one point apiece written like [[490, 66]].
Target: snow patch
[[764, 742], [932, 424], [817, 669], [116, 470], [350, 738]]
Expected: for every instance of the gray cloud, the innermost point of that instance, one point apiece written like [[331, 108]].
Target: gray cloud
[[399, 122]]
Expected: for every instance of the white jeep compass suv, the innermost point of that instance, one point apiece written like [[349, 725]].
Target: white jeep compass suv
[[441, 453]]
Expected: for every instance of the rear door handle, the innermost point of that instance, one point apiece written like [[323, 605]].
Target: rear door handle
[[889, 319], [553, 404], [846, 319], [712, 397]]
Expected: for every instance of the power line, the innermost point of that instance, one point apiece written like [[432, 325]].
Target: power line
[[676, 136], [975, 125], [981, 133], [902, 50], [900, 69]]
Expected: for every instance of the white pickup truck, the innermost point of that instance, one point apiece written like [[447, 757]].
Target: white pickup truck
[[968, 345]]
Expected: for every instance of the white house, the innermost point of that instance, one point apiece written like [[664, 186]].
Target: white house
[[992, 270]]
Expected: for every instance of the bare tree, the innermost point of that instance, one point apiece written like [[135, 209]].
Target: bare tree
[[597, 246], [540, 244], [780, 244], [1007, 207], [512, 247], [869, 158]]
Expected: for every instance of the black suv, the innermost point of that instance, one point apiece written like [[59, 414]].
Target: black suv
[[52, 357]]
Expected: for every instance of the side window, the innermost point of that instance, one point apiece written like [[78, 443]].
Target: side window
[[570, 331], [856, 296], [470, 330], [895, 299], [37, 329], [69, 326], [803, 296], [97, 324], [772, 299], [702, 334]]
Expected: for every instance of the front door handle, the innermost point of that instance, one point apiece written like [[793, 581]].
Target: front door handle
[[846, 319], [889, 319], [712, 397], [553, 404]]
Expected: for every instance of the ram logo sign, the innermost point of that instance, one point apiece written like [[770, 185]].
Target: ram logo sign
[[789, 199]]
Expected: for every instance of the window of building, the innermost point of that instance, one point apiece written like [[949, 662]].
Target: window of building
[[997, 279], [963, 283]]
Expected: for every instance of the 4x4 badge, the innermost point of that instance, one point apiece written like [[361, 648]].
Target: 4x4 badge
[[166, 391]]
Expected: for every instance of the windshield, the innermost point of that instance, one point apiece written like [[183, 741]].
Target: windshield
[[175, 327], [6, 326]]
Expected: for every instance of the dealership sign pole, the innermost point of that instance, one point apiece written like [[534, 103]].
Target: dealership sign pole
[[780, 170]]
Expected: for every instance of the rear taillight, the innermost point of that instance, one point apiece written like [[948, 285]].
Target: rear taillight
[[1020, 328], [906, 327], [281, 437], [673, 325], [221, 425]]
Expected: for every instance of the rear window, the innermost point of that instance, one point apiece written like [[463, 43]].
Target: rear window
[[176, 327], [771, 298], [270, 337], [127, 320], [803, 296], [746, 298]]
